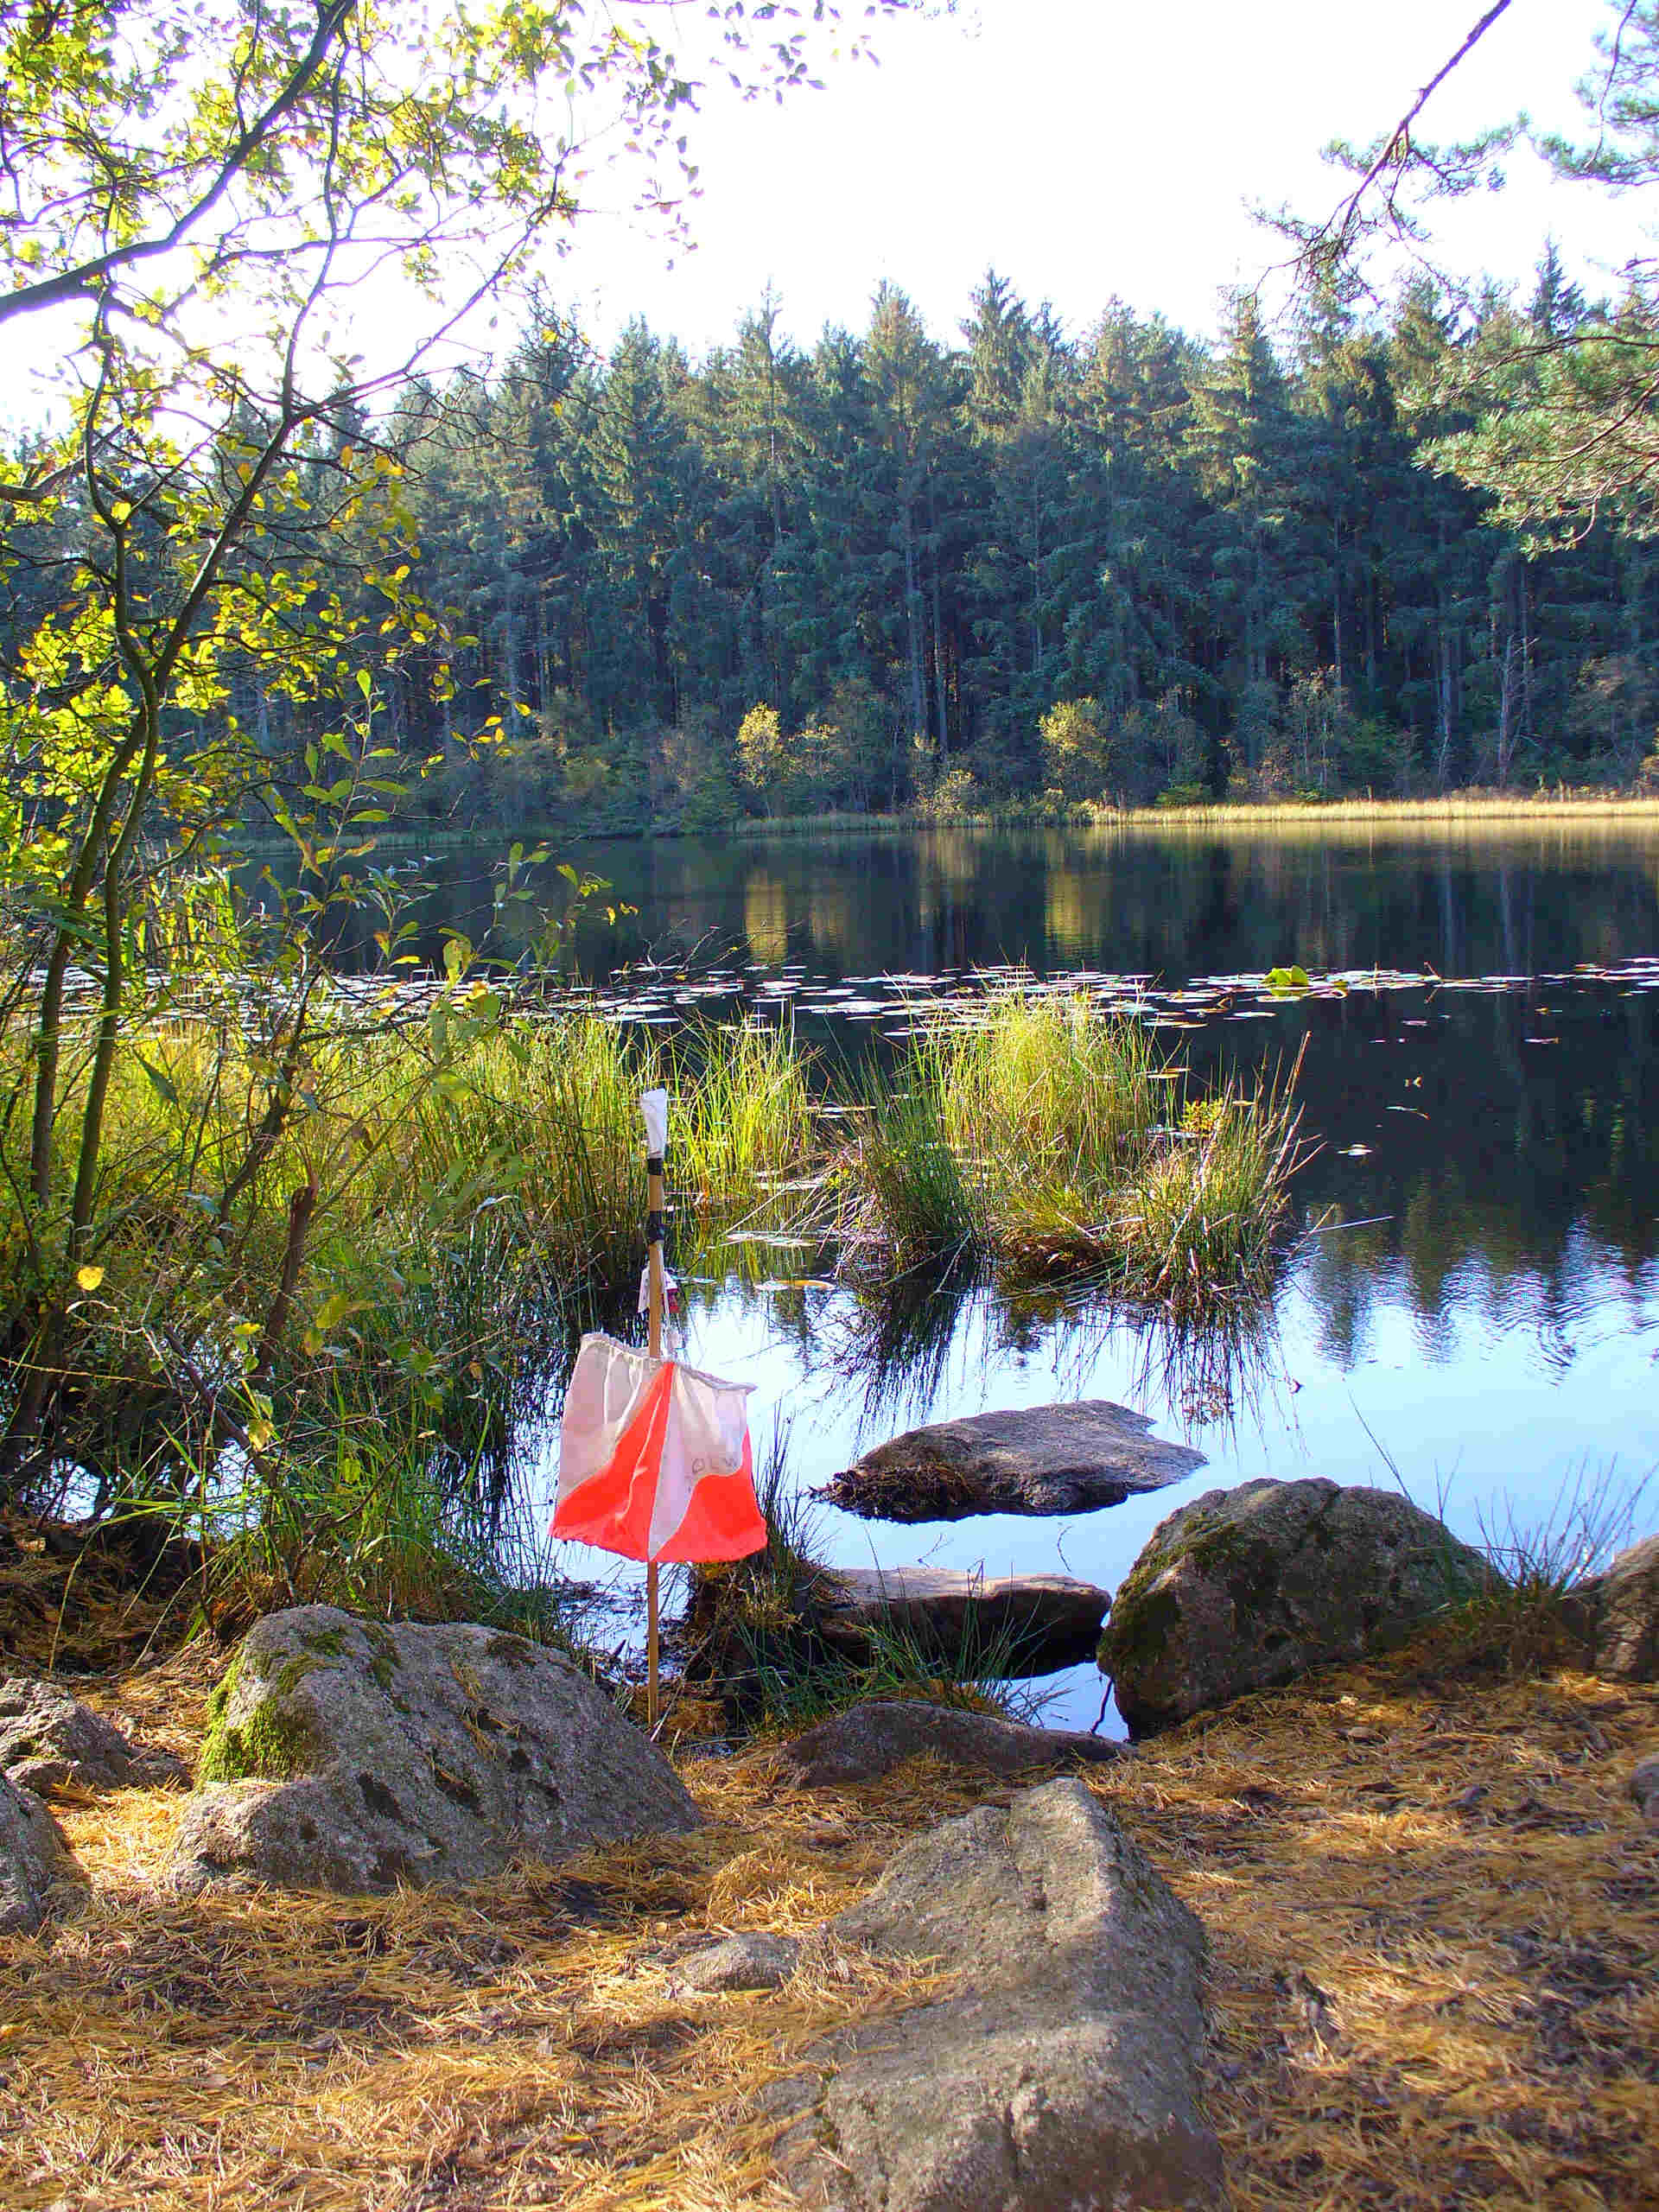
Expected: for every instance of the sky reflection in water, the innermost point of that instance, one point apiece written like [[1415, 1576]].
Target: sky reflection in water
[[1496, 1322]]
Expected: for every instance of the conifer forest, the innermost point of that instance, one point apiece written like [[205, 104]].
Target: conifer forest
[[1004, 566]]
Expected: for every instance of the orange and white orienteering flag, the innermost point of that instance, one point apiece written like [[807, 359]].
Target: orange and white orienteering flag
[[654, 1459]]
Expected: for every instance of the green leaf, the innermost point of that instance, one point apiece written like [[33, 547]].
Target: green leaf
[[161, 1082]]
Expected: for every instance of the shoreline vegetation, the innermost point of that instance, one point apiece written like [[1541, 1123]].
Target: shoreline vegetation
[[319, 1321], [1468, 810], [1459, 808]]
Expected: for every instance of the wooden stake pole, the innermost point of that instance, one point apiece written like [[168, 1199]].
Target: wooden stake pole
[[654, 1202]]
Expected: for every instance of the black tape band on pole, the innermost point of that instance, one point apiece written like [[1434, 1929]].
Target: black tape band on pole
[[653, 1229], [653, 1163]]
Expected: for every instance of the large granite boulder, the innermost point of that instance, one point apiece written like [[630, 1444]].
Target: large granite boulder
[[1250, 1587], [1063, 1458], [49, 1740], [1034, 1622], [1058, 2070], [38, 1870], [869, 1740], [1626, 1605], [346, 1754]]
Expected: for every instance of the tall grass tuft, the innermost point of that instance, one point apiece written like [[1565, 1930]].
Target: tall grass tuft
[[1045, 1136], [746, 1110], [907, 1166]]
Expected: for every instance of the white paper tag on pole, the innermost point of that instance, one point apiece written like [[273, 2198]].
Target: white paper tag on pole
[[673, 1319], [653, 1104]]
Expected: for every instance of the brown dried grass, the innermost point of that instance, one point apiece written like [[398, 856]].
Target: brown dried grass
[[1433, 1907]]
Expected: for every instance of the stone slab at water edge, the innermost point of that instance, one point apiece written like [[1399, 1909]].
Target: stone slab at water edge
[[1055, 2071], [1246, 1588], [347, 1755], [1059, 1459], [1035, 1622]]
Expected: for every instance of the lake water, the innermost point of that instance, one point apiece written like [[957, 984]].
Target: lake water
[[1474, 1310]]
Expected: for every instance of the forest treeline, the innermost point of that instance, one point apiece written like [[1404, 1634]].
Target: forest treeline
[[1017, 568]]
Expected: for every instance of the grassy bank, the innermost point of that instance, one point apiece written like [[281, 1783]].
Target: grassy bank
[[1431, 1905], [322, 1305]]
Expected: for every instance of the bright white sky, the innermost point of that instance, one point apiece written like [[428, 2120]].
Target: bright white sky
[[1086, 148], [1083, 148]]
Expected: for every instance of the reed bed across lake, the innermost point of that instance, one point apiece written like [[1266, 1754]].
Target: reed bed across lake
[[1452, 812]]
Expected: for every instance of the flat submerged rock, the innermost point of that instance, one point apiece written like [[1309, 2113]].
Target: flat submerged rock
[[1032, 1623], [1058, 1458]]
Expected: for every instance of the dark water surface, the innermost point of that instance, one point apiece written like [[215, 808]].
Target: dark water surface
[[1477, 1298]]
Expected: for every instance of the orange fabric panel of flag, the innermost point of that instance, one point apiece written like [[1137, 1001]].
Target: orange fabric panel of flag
[[612, 1508], [654, 1459]]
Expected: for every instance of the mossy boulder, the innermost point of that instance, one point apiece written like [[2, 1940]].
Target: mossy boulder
[[342, 1754], [1246, 1588]]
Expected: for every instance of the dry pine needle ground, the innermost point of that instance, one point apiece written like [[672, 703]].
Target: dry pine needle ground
[[1433, 1907]]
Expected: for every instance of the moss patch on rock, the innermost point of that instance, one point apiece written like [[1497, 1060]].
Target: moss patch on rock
[[270, 1746], [273, 1744]]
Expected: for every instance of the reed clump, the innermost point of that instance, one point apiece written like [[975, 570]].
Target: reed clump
[[1043, 1134], [328, 1300], [330, 1292]]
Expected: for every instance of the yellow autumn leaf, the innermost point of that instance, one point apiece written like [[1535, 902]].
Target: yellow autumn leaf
[[89, 1278]]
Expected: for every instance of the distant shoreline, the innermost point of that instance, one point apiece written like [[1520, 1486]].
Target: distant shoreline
[[1461, 810], [1460, 807]]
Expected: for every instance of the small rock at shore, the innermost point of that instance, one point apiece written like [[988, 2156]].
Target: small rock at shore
[[1057, 2071], [49, 1740], [1061, 1459], [1247, 1588], [1626, 1615], [750, 1961], [867, 1741], [1645, 1787], [37, 1869], [348, 1754], [1035, 1622]]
